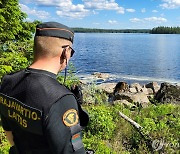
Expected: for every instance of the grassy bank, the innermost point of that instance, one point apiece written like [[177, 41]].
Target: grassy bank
[[108, 133]]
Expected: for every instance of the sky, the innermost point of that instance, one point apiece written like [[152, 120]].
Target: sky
[[105, 14]]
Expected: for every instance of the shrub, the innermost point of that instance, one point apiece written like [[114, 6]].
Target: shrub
[[15, 56], [99, 146], [71, 79], [4, 145], [94, 96], [101, 124]]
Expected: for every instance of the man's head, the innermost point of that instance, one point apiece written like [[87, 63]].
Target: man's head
[[53, 40]]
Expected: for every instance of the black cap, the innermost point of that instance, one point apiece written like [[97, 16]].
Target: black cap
[[54, 29]]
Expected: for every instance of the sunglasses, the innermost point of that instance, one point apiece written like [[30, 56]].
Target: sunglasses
[[72, 50]]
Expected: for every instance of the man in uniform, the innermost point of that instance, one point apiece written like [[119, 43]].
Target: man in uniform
[[39, 115]]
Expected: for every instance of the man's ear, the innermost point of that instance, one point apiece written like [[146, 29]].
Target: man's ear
[[64, 53], [63, 56]]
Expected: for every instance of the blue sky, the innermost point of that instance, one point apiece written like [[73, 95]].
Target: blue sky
[[107, 14]]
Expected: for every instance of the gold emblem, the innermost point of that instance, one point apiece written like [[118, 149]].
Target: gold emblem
[[70, 117]]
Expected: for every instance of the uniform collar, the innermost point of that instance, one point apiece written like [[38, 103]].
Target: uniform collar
[[43, 72]]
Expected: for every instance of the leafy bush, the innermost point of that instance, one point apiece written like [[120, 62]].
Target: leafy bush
[[11, 62], [99, 146], [106, 127], [101, 124], [71, 79], [15, 56], [94, 96], [4, 145], [162, 122]]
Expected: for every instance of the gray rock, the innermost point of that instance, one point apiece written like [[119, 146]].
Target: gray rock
[[124, 96], [154, 86], [107, 87], [101, 75], [140, 98], [150, 91], [137, 86], [145, 91], [121, 87], [168, 94], [132, 90]]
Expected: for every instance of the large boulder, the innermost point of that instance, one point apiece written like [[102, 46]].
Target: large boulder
[[107, 87], [132, 90], [139, 98], [124, 96], [168, 94], [137, 86], [150, 91], [121, 87], [154, 86]]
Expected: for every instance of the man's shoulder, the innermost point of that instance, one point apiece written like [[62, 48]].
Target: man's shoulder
[[13, 75], [49, 83], [46, 87], [11, 79]]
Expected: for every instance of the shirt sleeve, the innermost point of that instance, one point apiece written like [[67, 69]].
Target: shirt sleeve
[[5, 125], [62, 128]]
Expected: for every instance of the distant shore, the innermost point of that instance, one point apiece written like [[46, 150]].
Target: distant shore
[[93, 30], [156, 30]]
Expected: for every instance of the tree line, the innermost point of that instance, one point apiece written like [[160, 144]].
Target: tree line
[[94, 30], [156, 30], [165, 30]]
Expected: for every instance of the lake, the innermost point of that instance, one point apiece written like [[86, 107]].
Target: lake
[[128, 57]]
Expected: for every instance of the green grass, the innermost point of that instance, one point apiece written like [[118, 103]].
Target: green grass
[[106, 126]]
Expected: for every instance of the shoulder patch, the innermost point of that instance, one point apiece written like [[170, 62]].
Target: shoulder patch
[[70, 117]]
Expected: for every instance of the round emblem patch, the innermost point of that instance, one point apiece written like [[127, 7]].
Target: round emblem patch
[[70, 117]]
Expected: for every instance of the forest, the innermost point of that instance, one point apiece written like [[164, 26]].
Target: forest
[[93, 30], [165, 30], [155, 30]]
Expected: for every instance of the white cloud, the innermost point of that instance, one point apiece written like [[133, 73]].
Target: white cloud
[[103, 5], [52, 2], [143, 10], [88, 4], [66, 8], [34, 12], [170, 4], [72, 11], [156, 19], [130, 10], [135, 20], [150, 19], [112, 22], [78, 15], [154, 11]]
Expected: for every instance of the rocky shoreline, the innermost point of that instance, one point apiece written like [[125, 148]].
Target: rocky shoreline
[[135, 94]]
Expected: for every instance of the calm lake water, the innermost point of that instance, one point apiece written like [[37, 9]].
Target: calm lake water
[[128, 57]]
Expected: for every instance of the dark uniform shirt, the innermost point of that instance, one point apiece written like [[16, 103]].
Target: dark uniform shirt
[[42, 114]]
